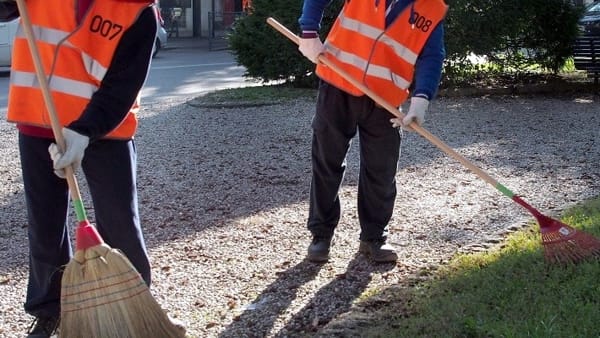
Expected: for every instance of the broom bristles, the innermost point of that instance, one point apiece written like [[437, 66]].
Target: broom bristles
[[564, 244], [104, 296]]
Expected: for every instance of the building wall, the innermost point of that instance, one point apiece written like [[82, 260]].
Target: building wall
[[206, 7], [192, 18]]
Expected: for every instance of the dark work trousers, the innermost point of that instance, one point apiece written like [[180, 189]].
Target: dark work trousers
[[109, 168], [338, 117]]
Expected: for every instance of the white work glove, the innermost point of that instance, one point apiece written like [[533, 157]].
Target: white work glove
[[75, 145], [311, 47], [416, 113]]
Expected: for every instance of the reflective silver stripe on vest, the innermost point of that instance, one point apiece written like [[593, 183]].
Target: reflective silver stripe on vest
[[56, 37], [386, 73], [371, 69], [359, 27], [373, 33], [50, 36], [400, 50], [56, 83], [94, 68]]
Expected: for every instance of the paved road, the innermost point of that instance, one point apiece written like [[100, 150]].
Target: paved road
[[188, 70], [183, 71]]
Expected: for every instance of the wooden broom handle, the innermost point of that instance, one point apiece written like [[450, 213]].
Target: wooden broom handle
[[41, 76], [394, 110]]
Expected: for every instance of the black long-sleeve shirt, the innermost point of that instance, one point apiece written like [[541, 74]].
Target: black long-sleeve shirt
[[123, 80]]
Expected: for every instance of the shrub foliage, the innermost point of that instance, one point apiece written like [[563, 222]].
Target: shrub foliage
[[513, 35], [267, 54]]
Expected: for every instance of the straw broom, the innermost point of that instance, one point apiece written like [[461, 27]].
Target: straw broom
[[102, 293], [561, 243]]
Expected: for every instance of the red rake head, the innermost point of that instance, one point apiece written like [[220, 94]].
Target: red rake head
[[564, 244]]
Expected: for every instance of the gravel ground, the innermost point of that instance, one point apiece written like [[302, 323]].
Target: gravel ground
[[223, 197]]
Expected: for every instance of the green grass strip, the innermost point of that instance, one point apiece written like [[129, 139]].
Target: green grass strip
[[509, 291]]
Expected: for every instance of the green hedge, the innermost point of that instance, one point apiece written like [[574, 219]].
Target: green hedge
[[514, 35], [267, 54]]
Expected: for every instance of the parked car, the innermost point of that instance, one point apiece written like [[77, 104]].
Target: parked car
[[161, 40], [8, 30], [590, 22], [161, 34]]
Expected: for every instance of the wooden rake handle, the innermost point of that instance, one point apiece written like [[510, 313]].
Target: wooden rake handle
[[394, 110], [48, 100]]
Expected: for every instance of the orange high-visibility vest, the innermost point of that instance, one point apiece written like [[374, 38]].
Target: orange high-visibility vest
[[383, 59], [75, 59]]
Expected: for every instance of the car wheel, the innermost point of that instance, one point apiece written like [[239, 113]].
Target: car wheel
[[156, 47]]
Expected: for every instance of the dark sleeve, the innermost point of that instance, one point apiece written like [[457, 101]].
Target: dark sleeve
[[8, 10], [123, 80]]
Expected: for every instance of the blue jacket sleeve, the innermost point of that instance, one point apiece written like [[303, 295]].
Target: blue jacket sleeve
[[429, 65], [312, 14]]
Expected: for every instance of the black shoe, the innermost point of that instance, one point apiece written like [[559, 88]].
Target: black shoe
[[318, 250], [378, 251], [43, 327]]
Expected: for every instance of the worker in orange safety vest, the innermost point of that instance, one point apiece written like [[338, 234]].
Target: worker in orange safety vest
[[96, 55], [396, 49]]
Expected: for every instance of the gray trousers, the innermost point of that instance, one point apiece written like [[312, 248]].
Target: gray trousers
[[337, 119]]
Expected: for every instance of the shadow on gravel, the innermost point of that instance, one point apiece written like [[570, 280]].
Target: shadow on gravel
[[331, 300], [203, 168], [494, 298], [221, 165]]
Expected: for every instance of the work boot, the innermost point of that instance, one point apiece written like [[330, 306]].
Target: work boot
[[379, 251], [318, 250], [43, 327]]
